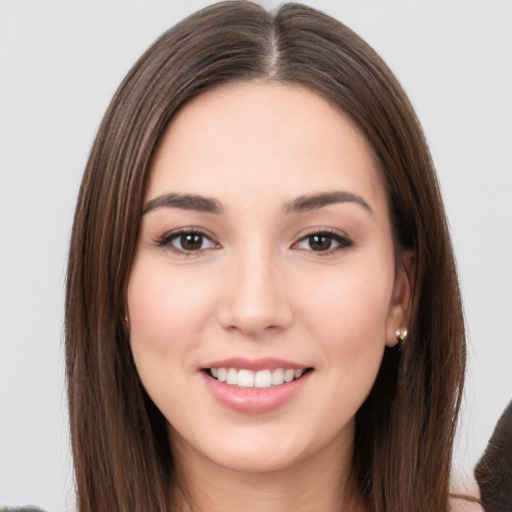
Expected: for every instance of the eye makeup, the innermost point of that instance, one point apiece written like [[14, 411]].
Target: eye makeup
[[193, 240]]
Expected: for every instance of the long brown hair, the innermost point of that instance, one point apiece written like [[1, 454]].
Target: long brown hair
[[405, 428]]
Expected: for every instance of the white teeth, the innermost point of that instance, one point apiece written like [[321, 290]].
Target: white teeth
[[232, 376], [289, 375], [261, 379], [277, 377], [246, 378]]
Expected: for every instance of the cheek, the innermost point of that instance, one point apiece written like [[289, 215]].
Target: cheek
[[352, 303], [165, 307], [167, 313], [347, 312]]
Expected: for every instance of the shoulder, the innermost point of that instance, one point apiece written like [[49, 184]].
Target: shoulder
[[465, 497], [465, 504]]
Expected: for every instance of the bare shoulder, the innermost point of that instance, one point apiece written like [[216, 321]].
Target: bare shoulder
[[465, 496], [463, 504]]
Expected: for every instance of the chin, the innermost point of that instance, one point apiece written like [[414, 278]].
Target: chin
[[264, 448], [258, 458]]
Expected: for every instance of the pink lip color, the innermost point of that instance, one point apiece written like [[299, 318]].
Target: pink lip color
[[254, 400], [265, 363]]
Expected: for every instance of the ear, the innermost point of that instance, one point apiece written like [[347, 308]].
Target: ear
[[401, 301]]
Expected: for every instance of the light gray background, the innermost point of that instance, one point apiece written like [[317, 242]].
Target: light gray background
[[60, 63]]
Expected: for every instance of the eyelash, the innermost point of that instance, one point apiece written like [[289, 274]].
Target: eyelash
[[166, 240], [343, 241]]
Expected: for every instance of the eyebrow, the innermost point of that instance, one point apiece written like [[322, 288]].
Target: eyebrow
[[312, 202], [305, 203], [185, 202]]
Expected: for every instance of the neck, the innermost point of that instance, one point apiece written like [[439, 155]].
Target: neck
[[320, 482]]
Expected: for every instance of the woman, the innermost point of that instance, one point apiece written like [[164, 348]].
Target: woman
[[253, 317]]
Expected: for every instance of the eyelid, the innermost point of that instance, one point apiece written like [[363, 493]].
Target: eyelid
[[343, 240], [165, 240]]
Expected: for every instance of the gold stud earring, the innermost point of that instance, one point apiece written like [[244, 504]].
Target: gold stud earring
[[401, 335]]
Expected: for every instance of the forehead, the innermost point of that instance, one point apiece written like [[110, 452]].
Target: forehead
[[263, 138]]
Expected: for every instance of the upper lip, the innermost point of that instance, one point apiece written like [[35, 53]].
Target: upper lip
[[264, 363]]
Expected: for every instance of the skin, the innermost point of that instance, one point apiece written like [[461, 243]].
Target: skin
[[257, 288]]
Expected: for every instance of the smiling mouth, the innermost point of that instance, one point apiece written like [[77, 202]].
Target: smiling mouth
[[262, 379]]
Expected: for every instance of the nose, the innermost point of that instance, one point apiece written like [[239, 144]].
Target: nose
[[254, 300]]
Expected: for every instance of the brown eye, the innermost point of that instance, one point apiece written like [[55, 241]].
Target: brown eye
[[186, 242], [320, 242], [324, 242], [191, 241]]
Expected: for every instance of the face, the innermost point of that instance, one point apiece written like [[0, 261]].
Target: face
[[264, 288]]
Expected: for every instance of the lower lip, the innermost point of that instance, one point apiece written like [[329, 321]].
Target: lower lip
[[254, 400]]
